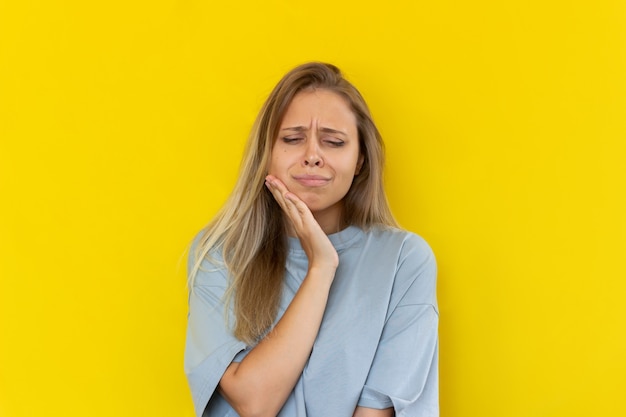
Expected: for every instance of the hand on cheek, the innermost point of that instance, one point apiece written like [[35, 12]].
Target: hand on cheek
[[315, 243]]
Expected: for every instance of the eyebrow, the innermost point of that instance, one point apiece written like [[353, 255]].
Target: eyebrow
[[322, 129]]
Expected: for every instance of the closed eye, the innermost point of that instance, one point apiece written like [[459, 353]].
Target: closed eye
[[335, 143], [291, 139]]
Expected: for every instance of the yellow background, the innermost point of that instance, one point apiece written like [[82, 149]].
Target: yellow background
[[121, 129]]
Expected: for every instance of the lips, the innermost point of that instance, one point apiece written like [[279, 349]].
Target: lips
[[311, 180]]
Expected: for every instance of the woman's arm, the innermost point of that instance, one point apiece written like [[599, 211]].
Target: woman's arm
[[372, 412], [261, 383]]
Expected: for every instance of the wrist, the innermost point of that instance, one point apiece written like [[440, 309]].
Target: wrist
[[325, 272]]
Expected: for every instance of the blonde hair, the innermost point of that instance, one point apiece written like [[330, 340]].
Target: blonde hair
[[249, 230]]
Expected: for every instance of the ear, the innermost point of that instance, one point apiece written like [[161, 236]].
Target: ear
[[359, 164]]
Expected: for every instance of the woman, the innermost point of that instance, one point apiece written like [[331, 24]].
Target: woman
[[306, 299]]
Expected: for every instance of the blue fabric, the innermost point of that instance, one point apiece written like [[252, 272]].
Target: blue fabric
[[377, 345]]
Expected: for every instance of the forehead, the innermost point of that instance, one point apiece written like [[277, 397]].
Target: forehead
[[319, 108]]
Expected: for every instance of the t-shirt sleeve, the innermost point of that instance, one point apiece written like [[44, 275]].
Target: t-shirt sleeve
[[404, 373], [210, 346]]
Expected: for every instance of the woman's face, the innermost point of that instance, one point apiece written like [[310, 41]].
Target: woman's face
[[316, 154]]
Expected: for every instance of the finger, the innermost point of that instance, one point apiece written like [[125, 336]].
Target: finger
[[277, 187], [277, 192], [280, 193], [286, 194], [301, 207], [276, 183]]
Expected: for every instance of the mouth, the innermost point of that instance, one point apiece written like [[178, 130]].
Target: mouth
[[311, 180]]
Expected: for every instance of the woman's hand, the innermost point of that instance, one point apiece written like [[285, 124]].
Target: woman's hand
[[315, 242], [261, 383]]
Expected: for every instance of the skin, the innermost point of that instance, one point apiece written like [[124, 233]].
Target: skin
[[314, 160], [318, 138]]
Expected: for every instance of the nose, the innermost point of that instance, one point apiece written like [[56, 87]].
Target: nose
[[313, 160], [312, 156]]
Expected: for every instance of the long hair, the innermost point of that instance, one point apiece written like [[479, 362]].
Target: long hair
[[249, 230]]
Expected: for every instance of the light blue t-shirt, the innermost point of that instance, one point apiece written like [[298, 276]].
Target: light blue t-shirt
[[377, 345]]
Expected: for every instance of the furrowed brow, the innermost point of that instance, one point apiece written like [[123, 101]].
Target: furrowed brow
[[330, 130], [322, 129], [296, 128]]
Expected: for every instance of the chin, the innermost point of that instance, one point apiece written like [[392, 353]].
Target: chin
[[319, 207], [313, 204]]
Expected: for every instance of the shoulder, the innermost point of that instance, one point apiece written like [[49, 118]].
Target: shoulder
[[415, 277], [205, 267], [407, 245]]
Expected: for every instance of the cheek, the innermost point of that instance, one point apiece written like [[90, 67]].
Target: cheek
[[278, 164], [274, 159], [350, 166], [346, 179]]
